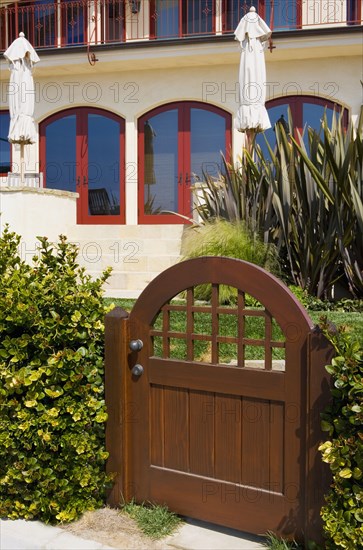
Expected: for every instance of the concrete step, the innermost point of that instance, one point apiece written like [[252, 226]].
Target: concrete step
[[136, 254]]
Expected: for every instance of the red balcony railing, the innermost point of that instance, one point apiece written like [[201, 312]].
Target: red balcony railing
[[64, 23]]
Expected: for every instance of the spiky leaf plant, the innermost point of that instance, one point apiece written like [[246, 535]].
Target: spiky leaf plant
[[307, 200]]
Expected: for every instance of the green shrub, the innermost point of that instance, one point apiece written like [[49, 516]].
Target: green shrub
[[308, 301], [223, 238], [52, 456], [343, 420]]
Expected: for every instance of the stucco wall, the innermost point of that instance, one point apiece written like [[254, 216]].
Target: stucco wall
[[37, 212]]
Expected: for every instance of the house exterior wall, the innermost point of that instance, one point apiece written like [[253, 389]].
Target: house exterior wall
[[129, 80], [131, 93]]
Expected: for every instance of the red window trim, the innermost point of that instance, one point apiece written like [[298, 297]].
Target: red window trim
[[183, 142], [82, 202]]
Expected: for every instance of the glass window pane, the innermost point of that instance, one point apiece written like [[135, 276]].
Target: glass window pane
[[208, 140], [313, 115], [44, 23], [274, 114], [199, 17], [5, 146], [161, 163], [166, 18], [234, 11], [103, 165], [353, 12], [113, 17], [285, 14], [60, 164], [74, 17]]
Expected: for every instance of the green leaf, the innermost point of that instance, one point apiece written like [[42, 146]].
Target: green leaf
[[358, 514]]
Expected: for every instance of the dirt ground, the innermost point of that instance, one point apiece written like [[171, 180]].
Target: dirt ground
[[112, 528]]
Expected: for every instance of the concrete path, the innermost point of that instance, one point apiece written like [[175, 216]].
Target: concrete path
[[193, 535]]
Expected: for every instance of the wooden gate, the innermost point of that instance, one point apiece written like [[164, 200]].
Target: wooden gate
[[233, 443]]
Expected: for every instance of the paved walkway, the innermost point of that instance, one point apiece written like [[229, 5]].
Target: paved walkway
[[193, 535]]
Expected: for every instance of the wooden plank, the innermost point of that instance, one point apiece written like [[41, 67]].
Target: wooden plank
[[222, 378], [244, 508], [176, 422], [255, 443], [228, 426], [277, 442], [157, 427], [215, 323], [202, 436], [268, 338]]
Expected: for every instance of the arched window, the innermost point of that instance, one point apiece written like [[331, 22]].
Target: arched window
[[5, 147], [82, 150], [177, 143], [306, 111]]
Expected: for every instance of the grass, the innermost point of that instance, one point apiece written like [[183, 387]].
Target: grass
[[275, 543], [353, 321], [154, 521], [254, 329]]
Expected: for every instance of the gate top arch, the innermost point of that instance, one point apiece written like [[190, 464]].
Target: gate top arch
[[245, 276]]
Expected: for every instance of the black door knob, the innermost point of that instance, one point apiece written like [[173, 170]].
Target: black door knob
[[137, 370], [136, 345]]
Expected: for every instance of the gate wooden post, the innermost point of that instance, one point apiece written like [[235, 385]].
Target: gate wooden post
[[117, 403], [318, 477]]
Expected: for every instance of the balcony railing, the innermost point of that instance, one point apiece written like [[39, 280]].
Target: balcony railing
[[64, 23]]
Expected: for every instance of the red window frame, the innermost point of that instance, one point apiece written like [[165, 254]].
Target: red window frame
[[184, 143], [82, 167]]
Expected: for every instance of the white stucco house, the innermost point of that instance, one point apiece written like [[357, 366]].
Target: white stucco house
[[135, 98]]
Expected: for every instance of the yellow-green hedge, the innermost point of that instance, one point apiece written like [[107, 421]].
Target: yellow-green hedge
[[52, 414]]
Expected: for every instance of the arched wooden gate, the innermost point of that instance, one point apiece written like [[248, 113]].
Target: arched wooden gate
[[230, 443]]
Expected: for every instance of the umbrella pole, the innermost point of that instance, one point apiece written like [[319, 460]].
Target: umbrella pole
[[250, 138], [22, 164]]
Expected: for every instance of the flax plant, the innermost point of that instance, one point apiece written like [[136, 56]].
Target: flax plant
[[306, 200]]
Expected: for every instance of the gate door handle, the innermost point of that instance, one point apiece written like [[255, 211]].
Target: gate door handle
[[136, 345], [137, 370]]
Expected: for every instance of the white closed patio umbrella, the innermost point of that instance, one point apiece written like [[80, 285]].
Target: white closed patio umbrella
[[252, 33], [22, 57]]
